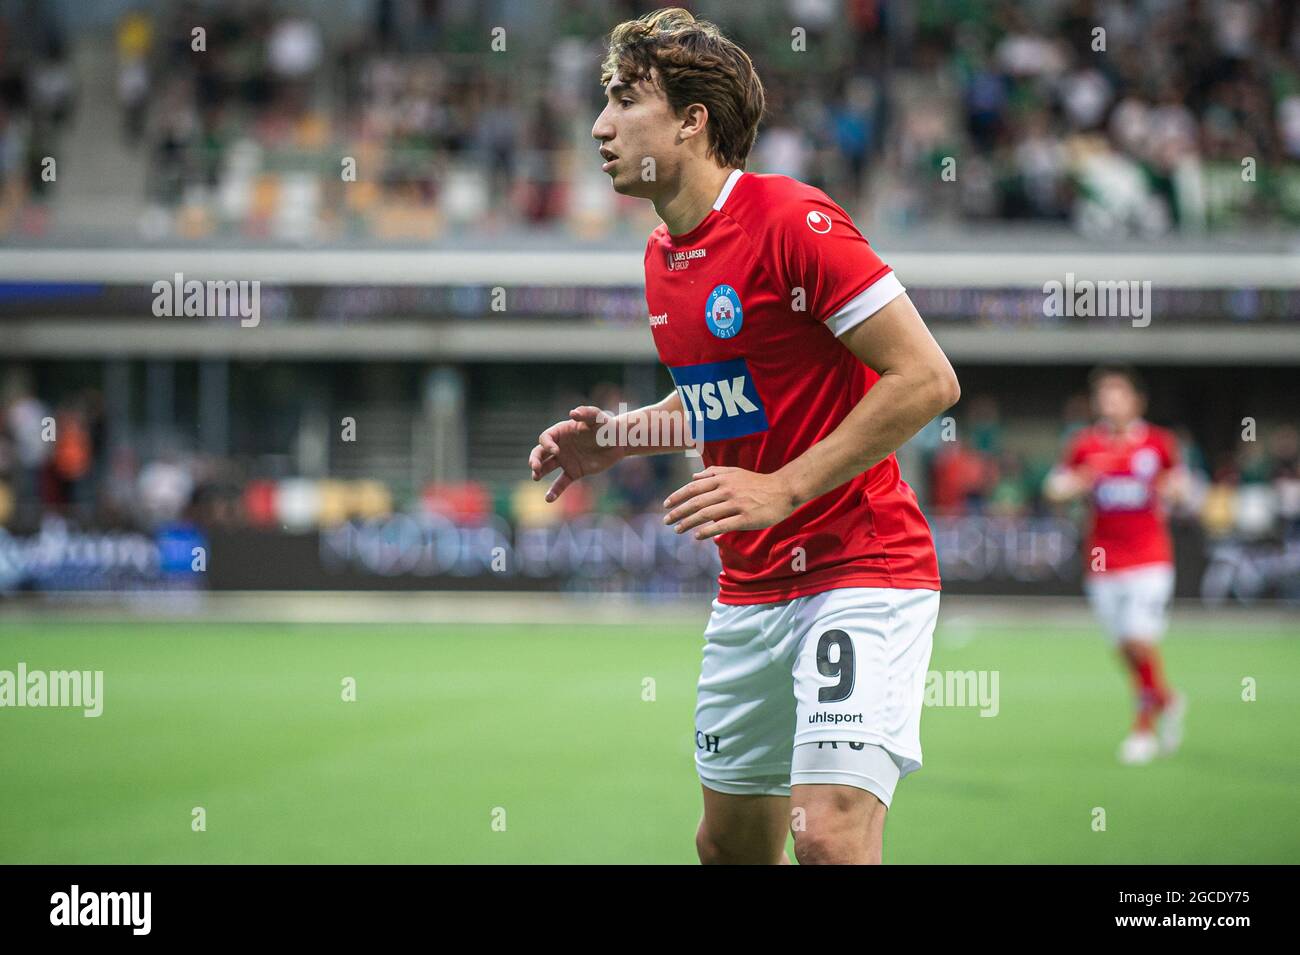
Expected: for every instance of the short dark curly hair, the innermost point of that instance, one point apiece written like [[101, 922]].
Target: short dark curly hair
[[693, 63]]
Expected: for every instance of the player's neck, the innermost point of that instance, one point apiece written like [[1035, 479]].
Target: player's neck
[[690, 203], [1126, 427]]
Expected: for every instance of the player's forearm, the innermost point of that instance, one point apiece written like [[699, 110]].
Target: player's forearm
[[660, 428], [1063, 485], [895, 409], [1176, 488]]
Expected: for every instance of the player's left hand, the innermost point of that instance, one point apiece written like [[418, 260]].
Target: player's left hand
[[720, 499]]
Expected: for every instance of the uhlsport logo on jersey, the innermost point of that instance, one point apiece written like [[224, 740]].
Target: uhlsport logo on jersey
[[720, 399], [819, 222], [723, 312]]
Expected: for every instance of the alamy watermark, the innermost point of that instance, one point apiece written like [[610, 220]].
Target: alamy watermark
[[178, 298], [1084, 298], [652, 428], [75, 907], [75, 689], [974, 688]]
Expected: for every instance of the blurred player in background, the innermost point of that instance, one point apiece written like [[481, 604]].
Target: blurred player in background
[[800, 365], [1129, 470]]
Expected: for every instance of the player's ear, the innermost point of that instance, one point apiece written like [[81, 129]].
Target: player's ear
[[694, 119]]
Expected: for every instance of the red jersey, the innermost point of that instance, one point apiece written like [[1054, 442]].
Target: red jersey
[[1128, 519], [745, 309]]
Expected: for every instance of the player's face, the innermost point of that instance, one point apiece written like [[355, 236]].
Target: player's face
[[1115, 400], [636, 131]]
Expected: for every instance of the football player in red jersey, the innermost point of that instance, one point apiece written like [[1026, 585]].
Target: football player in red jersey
[[800, 365], [1129, 470]]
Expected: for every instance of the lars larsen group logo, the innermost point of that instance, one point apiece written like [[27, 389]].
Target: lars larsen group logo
[[723, 313], [679, 259]]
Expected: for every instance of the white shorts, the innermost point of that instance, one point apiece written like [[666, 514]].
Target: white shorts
[[1133, 603], [845, 666]]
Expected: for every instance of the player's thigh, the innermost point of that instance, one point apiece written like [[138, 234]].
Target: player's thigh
[[1150, 591], [744, 727], [745, 708], [1108, 596], [836, 824], [861, 670], [743, 829]]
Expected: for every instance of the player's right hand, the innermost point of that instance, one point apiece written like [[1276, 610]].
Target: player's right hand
[[1087, 478], [574, 448]]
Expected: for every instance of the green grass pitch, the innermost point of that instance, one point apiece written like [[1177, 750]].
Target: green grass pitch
[[454, 723]]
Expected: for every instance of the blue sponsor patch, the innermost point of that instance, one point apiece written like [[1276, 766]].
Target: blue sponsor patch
[[720, 399], [722, 312]]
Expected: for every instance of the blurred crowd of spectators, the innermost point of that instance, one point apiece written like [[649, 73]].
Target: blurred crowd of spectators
[[1123, 117], [285, 128], [1118, 117], [37, 103]]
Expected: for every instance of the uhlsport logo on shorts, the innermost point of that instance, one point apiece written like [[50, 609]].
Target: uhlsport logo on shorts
[[720, 400], [723, 313]]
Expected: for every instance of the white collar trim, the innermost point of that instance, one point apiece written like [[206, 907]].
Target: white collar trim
[[727, 187]]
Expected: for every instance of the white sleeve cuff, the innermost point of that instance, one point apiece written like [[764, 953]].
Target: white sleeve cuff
[[871, 300]]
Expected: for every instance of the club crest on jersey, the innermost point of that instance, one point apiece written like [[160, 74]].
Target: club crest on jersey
[[722, 313], [720, 400], [1145, 462]]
